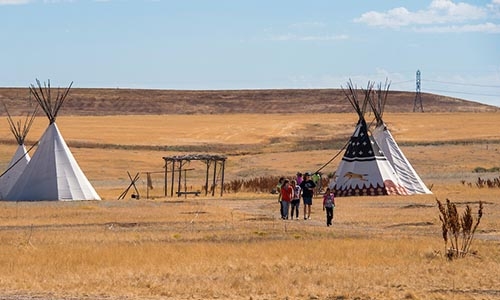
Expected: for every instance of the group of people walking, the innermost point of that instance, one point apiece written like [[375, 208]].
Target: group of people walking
[[302, 186]]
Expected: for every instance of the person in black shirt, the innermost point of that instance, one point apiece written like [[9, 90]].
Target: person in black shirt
[[307, 186]]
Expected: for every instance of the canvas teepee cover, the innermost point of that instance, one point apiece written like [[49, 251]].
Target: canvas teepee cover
[[53, 173], [14, 169], [364, 170], [404, 170], [21, 157]]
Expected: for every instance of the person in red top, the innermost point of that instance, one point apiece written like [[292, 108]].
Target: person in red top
[[286, 198]]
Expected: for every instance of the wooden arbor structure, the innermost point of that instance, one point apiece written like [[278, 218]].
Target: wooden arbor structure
[[177, 163]]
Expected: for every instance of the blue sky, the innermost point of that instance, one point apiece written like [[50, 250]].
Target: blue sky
[[258, 44]]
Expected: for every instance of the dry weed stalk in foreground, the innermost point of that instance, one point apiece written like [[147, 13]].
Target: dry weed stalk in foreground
[[459, 230]]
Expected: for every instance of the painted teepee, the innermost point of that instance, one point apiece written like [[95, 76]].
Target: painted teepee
[[403, 168], [21, 158], [364, 170], [52, 173]]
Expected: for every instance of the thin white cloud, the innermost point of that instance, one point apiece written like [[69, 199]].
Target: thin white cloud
[[308, 25], [438, 12], [13, 2], [304, 31], [58, 1], [447, 10], [486, 28], [19, 2], [494, 8], [379, 75], [295, 37], [444, 14]]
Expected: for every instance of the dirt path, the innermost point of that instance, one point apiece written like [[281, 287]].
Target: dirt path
[[268, 210]]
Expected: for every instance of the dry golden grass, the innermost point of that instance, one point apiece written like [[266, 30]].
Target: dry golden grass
[[244, 129], [235, 247], [262, 145]]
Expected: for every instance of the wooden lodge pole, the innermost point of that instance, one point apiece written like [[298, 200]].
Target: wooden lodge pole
[[179, 178], [185, 183], [222, 179], [206, 176], [165, 178], [213, 183], [172, 179]]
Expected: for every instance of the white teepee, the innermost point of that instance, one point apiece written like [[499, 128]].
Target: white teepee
[[21, 157], [404, 170], [52, 173], [364, 170]]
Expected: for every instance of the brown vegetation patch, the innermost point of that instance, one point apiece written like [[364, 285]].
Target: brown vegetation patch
[[411, 224], [261, 218], [468, 292], [193, 212], [417, 205]]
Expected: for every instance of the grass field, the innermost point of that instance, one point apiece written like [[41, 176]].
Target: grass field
[[235, 247]]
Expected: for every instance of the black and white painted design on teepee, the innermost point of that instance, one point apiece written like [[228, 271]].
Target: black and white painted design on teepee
[[21, 158], [404, 170], [364, 170], [52, 173]]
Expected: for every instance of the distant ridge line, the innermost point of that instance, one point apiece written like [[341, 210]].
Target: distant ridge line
[[108, 101]]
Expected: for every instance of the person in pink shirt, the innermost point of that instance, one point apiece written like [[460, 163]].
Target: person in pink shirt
[[295, 200], [328, 205], [299, 178]]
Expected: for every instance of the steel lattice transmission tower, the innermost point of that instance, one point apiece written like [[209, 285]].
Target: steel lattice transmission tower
[[417, 104]]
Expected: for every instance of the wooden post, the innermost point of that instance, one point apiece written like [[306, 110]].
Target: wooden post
[[222, 179], [185, 183], [179, 179], [172, 179], [206, 176], [215, 172], [165, 179], [148, 178]]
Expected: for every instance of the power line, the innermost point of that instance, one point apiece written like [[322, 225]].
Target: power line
[[465, 93], [466, 84], [405, 81]]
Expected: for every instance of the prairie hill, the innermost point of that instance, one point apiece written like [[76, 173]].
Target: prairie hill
[[98, 102]]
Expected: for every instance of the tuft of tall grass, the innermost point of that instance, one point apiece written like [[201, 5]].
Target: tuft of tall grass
[[458, 229]]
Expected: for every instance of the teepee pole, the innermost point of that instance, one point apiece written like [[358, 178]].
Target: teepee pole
[[50, 106], [18, 160]]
